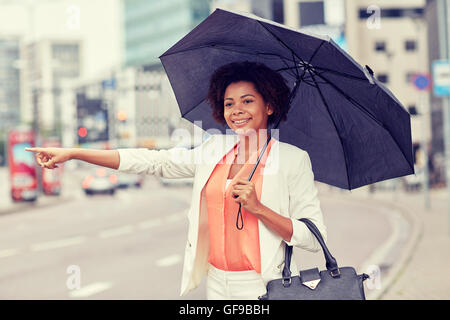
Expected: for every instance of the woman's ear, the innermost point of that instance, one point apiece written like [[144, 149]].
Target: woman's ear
[[269, 109]]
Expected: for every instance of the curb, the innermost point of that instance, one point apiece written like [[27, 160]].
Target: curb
[[406, 251]]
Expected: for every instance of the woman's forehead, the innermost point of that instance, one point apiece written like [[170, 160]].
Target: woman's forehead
[[240, 88]]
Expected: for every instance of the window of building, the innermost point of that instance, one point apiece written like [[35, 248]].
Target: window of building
[[410, 45], [380, 46], [409, 77], [278, 14], [383, 77], [392, 12], [311, 13], [412, 110]]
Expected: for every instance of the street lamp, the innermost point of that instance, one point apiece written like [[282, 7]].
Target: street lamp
[[423, 110]]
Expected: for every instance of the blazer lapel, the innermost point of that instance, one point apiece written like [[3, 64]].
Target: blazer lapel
[[210, 157], [213, 155], [269, 241]]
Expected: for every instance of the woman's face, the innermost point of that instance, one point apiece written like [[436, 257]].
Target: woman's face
[[243, 102]]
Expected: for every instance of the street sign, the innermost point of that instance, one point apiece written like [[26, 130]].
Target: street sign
[[109, 84], [421, 81], [441, 78]]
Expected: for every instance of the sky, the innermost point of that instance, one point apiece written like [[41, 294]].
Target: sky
[[96, 22]]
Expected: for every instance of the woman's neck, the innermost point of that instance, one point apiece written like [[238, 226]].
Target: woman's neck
[[248, 144]]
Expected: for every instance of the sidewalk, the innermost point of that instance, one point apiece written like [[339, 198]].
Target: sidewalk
[[420, 269]]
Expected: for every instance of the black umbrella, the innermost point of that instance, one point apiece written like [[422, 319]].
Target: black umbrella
[[353, 128]]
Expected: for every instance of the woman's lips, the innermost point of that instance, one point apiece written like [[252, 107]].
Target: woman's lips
[[242, 124]]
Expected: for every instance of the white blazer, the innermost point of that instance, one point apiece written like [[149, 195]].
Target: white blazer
[[288, 189]]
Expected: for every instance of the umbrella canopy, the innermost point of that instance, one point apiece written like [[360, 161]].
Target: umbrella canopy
[[354, 129]]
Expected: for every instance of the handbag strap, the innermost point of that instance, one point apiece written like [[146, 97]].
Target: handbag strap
[[331, 263]]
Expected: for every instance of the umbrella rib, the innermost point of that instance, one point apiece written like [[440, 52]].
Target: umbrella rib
[[350, 99], [346, 75], [286, 46], [334, 123], [287, 69]]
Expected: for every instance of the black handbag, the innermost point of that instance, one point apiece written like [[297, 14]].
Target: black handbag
[[334, 283]]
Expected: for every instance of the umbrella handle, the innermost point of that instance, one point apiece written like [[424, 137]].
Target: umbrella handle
[[239, 214]]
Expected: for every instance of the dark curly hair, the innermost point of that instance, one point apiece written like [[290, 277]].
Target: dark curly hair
[[269, 83]]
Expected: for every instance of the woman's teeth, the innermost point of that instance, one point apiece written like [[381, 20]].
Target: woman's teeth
[[241, 121]]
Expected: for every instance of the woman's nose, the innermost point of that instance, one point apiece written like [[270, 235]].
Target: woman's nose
[[237, 110]]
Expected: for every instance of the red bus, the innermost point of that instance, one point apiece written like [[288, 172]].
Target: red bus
[[22, 166], [51, 178]]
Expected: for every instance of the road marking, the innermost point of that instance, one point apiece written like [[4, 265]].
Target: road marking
[[66, 242], [150, 223], [115, 232], [169, 260], [90, 290], [8, 253]]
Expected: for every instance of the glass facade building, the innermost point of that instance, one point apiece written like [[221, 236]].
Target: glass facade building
[[153, 26], [9, 83]]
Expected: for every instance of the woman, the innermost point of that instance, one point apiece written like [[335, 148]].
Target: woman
[[238, 262]]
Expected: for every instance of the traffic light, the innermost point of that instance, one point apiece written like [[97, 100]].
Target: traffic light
[[92, 119], [82, 132], [122, 116]]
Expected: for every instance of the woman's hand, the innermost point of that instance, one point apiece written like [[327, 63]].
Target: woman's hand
[[50, 157], [245, 190]]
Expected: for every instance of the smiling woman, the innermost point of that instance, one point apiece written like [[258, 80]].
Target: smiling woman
[[238, 258]]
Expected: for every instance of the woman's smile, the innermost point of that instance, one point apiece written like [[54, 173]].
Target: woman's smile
[[241, 123]]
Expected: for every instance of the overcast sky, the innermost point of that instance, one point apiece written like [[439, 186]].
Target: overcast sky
[[95, 22]]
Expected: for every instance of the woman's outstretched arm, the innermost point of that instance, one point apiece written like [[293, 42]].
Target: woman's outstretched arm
[[104, 158], [50, 157]]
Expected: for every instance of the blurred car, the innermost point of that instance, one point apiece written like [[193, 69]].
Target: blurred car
[[51, 181], [23, 187], [126, 180], [100, 181], [176, 182]]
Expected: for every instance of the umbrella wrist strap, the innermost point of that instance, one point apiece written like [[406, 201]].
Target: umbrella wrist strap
[[239, 218]]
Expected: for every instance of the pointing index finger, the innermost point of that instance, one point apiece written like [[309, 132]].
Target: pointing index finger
[[32, 149]]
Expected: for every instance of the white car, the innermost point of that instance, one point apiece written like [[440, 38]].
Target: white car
[[176, 182], [100, 181], [125, 180]]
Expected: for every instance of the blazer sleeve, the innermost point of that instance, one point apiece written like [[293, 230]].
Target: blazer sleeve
[[304, 203], [171, 163]]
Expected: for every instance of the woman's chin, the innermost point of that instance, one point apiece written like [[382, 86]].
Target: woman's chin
[[245, 131]]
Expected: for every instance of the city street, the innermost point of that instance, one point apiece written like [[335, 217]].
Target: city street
[[131, 245]]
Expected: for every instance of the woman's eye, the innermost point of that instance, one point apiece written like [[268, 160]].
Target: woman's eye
[[227, 104], [248, 101]]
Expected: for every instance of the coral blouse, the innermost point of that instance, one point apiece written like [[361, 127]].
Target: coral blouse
[[232, 249]]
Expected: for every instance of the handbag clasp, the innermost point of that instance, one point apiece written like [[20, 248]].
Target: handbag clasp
[[337, 274], [283, 281]]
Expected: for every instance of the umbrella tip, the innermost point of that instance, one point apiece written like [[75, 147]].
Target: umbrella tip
[[369, 69]]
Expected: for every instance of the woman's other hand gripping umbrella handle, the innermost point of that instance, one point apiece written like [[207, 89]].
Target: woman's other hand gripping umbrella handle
[[50, 157]]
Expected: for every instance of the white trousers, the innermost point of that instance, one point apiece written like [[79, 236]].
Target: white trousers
[[233, 285]]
